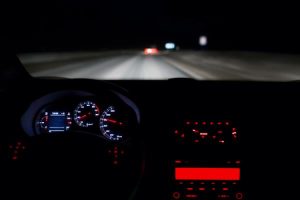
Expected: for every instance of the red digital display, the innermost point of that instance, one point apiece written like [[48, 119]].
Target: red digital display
[[228, 174]]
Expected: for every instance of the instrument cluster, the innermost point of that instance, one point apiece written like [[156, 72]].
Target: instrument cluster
[[113, 118]]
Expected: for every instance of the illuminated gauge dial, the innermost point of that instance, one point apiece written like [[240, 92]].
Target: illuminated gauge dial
[[43, 121], [86, 114], [54, 121], [113, 125]]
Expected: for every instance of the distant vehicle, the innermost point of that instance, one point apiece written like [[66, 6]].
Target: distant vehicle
[[150, 51]]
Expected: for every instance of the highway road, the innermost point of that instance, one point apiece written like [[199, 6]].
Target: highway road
[[200, 65]]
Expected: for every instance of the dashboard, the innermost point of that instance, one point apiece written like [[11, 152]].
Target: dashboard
[[62, 112], [177, 139]]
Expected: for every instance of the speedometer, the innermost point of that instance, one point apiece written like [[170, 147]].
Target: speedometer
[[113, 125], [86, 114]]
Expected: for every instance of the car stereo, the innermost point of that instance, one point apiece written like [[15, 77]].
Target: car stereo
[[207, 180], [206, 161]]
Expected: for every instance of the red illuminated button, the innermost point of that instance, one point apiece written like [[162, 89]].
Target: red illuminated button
[[239, 195], [176, 195], [192, 196], [190, 189], [202, 189], [223, 196]]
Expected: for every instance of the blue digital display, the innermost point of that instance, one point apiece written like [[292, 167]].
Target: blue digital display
[[57, 122]]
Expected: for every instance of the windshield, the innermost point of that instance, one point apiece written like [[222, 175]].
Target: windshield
[[156, 40]]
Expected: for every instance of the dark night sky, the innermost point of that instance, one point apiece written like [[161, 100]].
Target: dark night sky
[[94, 24]]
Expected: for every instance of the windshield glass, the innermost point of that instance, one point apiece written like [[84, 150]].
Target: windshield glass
[[156, 40]]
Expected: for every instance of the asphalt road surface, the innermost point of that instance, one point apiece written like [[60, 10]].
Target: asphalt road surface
[[182, 64]]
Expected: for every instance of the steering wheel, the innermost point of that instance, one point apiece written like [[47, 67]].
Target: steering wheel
[[82, 164], [68, 165]]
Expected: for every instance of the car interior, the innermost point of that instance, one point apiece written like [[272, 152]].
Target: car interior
[[176, 138], [154, 140]]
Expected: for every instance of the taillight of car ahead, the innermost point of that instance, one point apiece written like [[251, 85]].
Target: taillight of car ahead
[[150, 51]]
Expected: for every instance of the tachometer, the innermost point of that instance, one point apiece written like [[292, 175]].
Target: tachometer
[[113, 125], [86, 114]]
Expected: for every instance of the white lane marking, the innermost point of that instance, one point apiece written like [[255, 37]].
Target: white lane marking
[[155, 68], [142, 67], [117, 71], [191, 71]]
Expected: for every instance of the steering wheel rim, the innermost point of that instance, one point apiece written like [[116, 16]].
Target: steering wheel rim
[[91, 171]]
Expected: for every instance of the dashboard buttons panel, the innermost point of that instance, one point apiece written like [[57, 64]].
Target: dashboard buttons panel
[[207, 132]]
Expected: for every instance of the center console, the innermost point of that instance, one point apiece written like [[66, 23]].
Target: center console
[[206, 160]]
